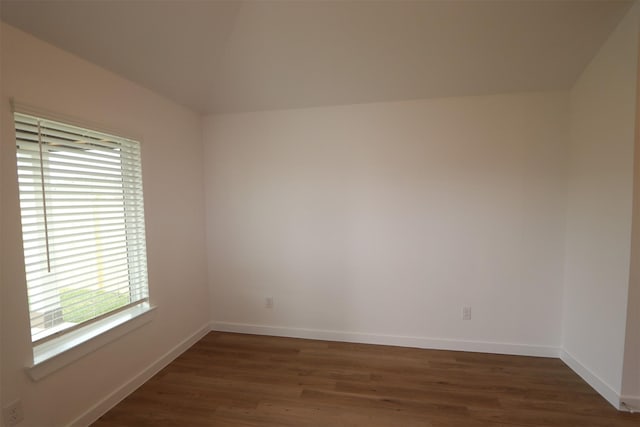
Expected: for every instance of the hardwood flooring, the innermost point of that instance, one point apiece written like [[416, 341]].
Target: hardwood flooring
[[248, 380]]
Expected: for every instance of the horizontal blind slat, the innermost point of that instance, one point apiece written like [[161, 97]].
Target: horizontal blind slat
[[40, 336], [89, 260], [34, 260], [49, 298]]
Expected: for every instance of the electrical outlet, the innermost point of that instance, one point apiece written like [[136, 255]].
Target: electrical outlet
[[268, 302], [13, 413], [466, 313]]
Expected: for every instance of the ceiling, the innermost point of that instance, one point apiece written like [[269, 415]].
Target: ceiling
[[233, 56]]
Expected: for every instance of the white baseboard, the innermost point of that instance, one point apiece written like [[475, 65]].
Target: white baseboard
[[100, 408], [630, 403], [605, 390], [395, 340]]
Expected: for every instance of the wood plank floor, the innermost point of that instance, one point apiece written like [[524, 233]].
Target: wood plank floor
[[248, 380]]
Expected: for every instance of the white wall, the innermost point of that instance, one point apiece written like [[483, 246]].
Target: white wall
[[2, 239], [631, 367], [631, 370], [600, 193], [372, 222], [385, 219], [43, 76]]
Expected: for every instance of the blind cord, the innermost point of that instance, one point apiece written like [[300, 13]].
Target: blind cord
[[44, 200]]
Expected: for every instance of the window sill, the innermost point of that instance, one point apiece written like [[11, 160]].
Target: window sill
[[59, 352]]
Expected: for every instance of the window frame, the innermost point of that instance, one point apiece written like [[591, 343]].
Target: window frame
[[62, 348]]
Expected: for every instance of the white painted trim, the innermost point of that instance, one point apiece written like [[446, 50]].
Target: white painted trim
[[104, 405], [630, 403], [395, 340], [60, 352], [605, 390]]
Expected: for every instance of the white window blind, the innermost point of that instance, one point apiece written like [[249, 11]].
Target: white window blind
[[82, 224]]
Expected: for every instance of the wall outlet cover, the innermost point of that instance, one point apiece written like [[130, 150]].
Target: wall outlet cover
[[13, 414]]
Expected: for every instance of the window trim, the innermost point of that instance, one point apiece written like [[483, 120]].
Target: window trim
[[51, 355], [55, 354]]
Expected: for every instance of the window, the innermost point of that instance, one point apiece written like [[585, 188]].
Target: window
[[82, 224]]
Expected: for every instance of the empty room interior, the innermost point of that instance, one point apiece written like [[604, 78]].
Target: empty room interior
[[320, 213]]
